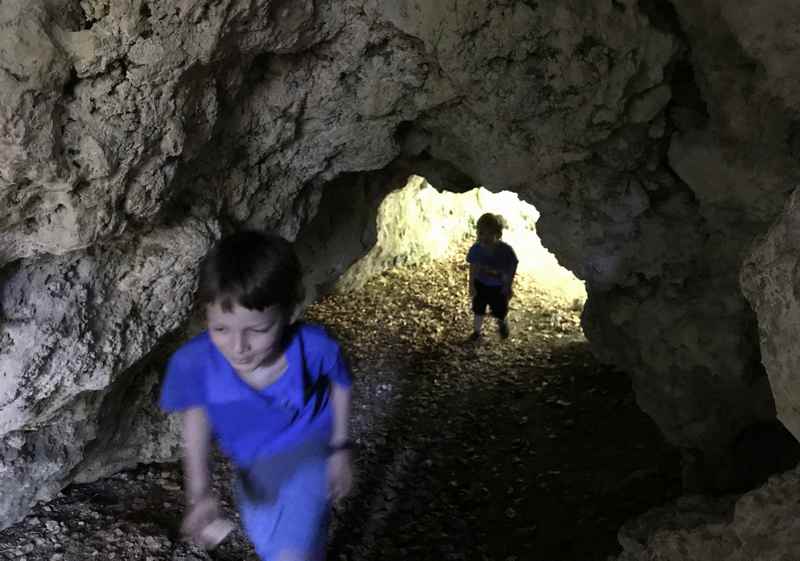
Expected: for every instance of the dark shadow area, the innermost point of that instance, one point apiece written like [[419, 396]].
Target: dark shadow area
[[527, 448], [762, 450], [662, 15], [541, 459]]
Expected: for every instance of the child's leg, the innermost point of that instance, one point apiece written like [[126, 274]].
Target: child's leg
[[292, 526], [479, 303], [304, 526], [499, 308], [502, 328], [259, 520]]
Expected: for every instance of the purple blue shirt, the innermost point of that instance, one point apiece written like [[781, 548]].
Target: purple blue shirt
[[495, 266], [248, 423]]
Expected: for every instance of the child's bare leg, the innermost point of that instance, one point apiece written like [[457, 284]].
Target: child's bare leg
[[502, 326], [477, 323]]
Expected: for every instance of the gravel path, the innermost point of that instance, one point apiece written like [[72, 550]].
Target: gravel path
[[516, 450]]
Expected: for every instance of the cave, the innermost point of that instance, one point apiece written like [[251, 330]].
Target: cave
[[658, 139]]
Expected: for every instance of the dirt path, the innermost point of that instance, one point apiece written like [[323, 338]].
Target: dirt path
[[524, 449]]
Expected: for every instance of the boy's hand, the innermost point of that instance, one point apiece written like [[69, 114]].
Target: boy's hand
[[340, 475], [198, 516]]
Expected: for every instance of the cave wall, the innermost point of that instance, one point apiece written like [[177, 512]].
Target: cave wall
[[746, 55], [772, 284], [690, 325], [761, 525], [656, 139]]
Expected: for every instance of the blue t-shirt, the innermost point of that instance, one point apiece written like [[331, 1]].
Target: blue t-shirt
[[495, 266], [249, 423]]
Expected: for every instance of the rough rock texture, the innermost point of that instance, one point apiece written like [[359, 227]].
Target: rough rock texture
[[761, 525], [771, 283], [671, 308], [79, 334], [655, 141]]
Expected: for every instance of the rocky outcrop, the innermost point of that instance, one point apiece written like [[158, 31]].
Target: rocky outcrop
[[732, 150], [750, 156], [759, 526], [655, 141], [80, 335], [770, 281]]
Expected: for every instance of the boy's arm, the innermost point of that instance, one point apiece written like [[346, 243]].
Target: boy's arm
[[196, 446], [508, 285], [340, 466], [341, 397], [473, 271], [201, 521]]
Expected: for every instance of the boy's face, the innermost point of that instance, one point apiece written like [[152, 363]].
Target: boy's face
[[487, 237], [246, 338]]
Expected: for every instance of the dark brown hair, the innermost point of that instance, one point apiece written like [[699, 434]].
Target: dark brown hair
[[253, 269], [491, 222]]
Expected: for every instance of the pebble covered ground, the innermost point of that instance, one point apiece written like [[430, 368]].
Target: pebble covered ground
[[505, 450]]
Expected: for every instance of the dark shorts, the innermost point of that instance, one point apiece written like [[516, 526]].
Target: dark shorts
[[491, 296]]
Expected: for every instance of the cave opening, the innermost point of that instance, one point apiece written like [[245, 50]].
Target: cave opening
[[418, 223], [533, 423]]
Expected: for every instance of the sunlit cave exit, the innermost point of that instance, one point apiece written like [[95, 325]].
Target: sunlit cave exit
[[419, 223]]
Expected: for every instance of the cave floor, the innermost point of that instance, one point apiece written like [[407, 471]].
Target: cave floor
[[508, 450]]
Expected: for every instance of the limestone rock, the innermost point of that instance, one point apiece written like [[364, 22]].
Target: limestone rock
[[769, 279], [79, 331], [758, 526], [734, 167], [647, 106]]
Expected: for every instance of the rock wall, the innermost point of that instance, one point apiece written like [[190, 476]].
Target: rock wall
[[78, 332], [758, 526], [771, 283], [748, 56], [656, 139], [679, 322]]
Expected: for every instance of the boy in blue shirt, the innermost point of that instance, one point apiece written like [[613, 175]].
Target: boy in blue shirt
[[275, 395], [492, 267]]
